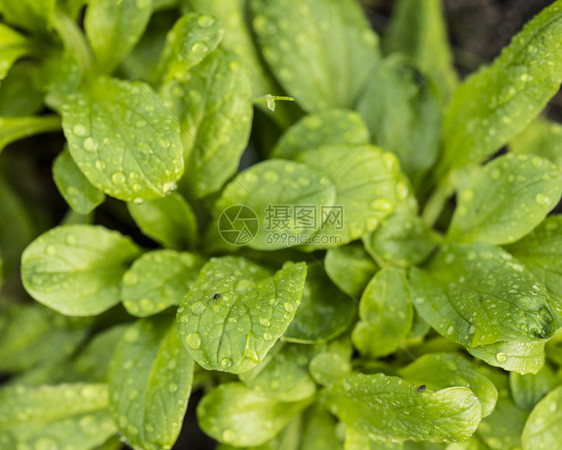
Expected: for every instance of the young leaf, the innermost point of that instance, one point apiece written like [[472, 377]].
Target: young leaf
[[77, 269], [326, 66], [139, 158], [190, 40], [540, 252], [520, 357], [506, 199], [403, 239], [528, 390], [80, 195], [389, 408], [500, 100], [541, 138], [157, 280], [478, 294], [66, 415], [13, 46], [170, 221], [332, 127], [403, 113], [215, 111], [13, 129], [386, 314], [418, 29], [283, 374], [234, 330], [350, 268], [324, 313], [113, 28], [543, 427], [32, 15], [235, 415], [368, 188], [149, 383], [441, 370], [279, 183]]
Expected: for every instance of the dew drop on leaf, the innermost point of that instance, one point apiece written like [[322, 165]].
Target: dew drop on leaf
[[194, 340]]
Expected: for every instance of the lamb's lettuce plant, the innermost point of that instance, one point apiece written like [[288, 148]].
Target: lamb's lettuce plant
[[361, 267]]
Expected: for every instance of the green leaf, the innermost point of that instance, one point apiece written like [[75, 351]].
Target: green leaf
[[541, 138], [441, 370], [18, 96], [403, 113], [32, 15], [528, 390], [157, 280], [32, 335], [478, 294], [332, 127], [77, 269], [114, 27], [520, 357], [357, 440], [543, 427], [540, 252], [386, 314], [325, 312], [170, 221], [350, 268], [13, 46], [325, 66], [402, 240], [58, 76], [368, 185], [389, 408], [235, 415], [66, 415], [505, 200], [80, 195], [215, 111], [141, 158], [500, 100], [418, 29], [283, 374], [328, 367], [149, 383], [234, 331], [279, 183], [319, 430], [13, 129], [190, 40]]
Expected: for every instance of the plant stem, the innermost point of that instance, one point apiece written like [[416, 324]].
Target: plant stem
[[73, 38]]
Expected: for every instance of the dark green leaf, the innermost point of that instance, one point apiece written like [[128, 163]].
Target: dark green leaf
[[33, 15], [527, 390], [150, 383], [478, 294], [13, 129], [157, 280], [139, 158], [18, 96], [77, 269]]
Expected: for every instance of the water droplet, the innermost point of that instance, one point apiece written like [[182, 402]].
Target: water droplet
[[289, 307], [194, 340], [267, 337], [100, 165], [169, 186], [173, 387], [70, 239], [205, 21], [542, 199], [472, 330], [132, 335], [130, 278], [271, 176], [118, 178], [51, 250], [140, 123], [381, 204], [90, 145], [133, 394], [264, 322], [199, 48], [501, 357], [467, 195], [228, 435], [79, 130], [226, 363], [450, 330]]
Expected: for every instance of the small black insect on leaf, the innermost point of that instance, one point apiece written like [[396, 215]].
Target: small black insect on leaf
[[421, 388], [216, 296]]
